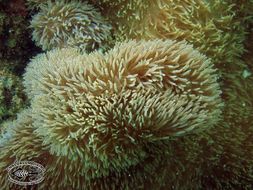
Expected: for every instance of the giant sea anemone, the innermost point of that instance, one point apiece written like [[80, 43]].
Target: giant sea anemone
[[109, 116], [102, 109]]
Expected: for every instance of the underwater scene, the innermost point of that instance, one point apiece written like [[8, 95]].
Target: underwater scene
[[126, 94]]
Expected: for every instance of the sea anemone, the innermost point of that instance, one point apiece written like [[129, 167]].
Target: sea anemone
[[211, 26], [217, 158], [32, 84], [243, 10], [236, 84], [102, 109], [19, 142], [74, 24], [228, 150]]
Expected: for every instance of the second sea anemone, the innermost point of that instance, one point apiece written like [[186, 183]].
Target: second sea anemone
[[205, 24], [75, 24]]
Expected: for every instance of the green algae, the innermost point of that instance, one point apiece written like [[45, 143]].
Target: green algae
[[12, 98]]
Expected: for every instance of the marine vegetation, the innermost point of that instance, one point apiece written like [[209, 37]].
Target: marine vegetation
[[14, 34], [12, 97], [73, 24]]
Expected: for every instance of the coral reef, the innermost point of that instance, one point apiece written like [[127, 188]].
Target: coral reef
[[230, 164], [145, 114], [2, 18], [14, 33], [243, 10], [73, 24], [12, 97], [236, 84], [205, 24]]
